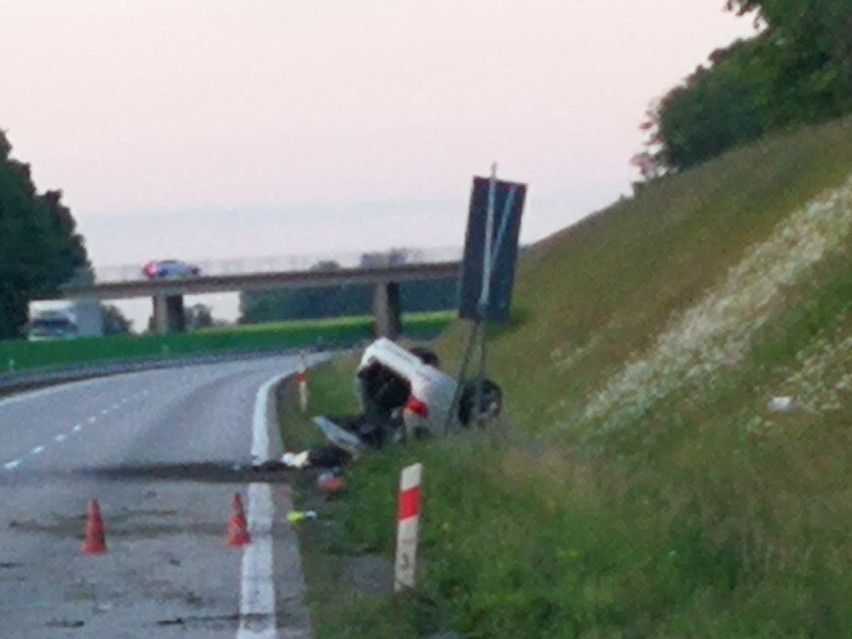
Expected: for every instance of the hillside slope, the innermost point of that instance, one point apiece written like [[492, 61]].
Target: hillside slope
[[651, 340], [665, 290], [643, 485]]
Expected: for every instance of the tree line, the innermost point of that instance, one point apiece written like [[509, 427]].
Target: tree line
[[337, 301], [40, 248], [796, 70]]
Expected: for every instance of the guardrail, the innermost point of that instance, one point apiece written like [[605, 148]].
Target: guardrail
[[22, 380]]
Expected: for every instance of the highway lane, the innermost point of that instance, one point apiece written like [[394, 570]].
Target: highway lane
[[163, 452]]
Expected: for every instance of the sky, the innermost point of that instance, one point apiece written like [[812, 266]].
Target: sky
[[221, 129]]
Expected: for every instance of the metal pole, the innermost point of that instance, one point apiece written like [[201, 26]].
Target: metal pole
[[454, 405], [485, 294], [485, 291]]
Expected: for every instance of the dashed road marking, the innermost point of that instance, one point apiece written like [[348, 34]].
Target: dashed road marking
[[12, 464], [77, 428], [92, 419], [37, 450]]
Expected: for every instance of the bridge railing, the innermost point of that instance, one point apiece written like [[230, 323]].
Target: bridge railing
[[303, 262]]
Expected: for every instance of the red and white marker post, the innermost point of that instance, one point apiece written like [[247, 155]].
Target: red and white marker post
[[302, 378], [408, 519]]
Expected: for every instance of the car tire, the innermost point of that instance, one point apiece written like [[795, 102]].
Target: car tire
[[426, 355], [491, 401]]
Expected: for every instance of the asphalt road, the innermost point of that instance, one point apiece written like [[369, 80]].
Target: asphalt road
[[163, 452]]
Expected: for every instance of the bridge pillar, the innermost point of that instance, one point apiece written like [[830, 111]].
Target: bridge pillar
[[387, 311], [168, 314]]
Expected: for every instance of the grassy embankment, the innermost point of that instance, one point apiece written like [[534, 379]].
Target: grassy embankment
[[645, 488], [254, 337]]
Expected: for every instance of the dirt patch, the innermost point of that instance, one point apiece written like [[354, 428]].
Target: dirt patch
[[207, 472], [369, 574]]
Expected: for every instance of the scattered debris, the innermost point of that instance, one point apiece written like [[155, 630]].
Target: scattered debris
[[781, 404], [177, 621], [331, 482], [295, 460], [301, 515], [186, 621], [317, 457], [65, 623]]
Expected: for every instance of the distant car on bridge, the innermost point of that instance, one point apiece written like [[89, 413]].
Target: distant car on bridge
[[169, 269]]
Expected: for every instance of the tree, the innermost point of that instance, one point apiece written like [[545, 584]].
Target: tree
[[337, 301], [796, 70], [198, 316], [39, 246], [393, 257], [326, 265], [115, 323]]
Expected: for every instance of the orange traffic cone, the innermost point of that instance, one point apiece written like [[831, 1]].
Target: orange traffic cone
[[94, 542], [237, 532]]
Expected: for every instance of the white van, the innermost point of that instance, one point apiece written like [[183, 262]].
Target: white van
[[51, 325]]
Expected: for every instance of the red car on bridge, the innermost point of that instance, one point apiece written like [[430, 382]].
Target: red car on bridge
[[166, 269]]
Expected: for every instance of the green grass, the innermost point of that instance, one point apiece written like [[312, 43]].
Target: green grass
[[306, 333], [667, 502]]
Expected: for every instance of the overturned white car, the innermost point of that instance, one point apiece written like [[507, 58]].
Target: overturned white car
[[404, 395]]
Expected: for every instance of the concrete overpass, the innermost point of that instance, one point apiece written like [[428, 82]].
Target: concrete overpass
[[167, 294]]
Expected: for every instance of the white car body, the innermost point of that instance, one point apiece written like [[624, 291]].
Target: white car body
[[432, 390]]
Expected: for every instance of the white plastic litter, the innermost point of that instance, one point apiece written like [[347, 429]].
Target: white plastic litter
[[781, 404], [295, 460]]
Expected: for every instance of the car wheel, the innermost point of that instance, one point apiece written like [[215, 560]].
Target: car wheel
[[490, 401], [426, 355]]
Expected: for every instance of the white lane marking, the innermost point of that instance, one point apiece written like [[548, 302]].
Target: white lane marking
[[37, 450], [92, 419], [257, 587], [116, 406], [60, 438], [105, 411], [77, 428], [61, 388], [257, 584], [12, 464]]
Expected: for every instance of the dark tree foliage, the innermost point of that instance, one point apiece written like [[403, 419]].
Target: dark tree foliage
[[338, 301], [39, 245], [115, 322], [199, 316], [796, 70]]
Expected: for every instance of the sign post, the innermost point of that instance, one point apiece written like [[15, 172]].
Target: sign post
[[488, 270], [302, 377], [408, 520]]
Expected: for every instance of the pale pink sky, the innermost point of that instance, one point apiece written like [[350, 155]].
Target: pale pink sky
[[201, 128], [211, 128]]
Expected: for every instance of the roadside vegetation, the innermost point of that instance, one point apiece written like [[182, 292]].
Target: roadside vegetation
[[40, 247], [328, 333], [796, 69], [642, 485]]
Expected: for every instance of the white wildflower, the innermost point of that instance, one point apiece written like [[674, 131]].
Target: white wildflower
[[716, 332]]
